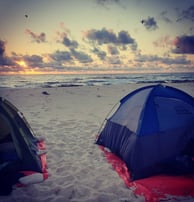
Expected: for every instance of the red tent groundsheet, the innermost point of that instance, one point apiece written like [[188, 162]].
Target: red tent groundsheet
[[155, 188]]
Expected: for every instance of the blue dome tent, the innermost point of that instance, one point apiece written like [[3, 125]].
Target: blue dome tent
[[151, 128]]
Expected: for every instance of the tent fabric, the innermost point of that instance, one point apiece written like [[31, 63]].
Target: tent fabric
[[155, 188], [151, 127], [19, 147]]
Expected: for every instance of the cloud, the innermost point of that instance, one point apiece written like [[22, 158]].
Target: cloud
[[4, 60], [125, 38], [69, 43], [2, 47], [113, 50], [163, 42], [187, 14], [38, 38], [164, 60], [184, 45], [81, 56], [9, 68], [59, 59], [114, 60], [105, 36], [64, 38], [101, 36], [150, 23], [163, 16], [107, 2], [62, 56], [99, 53], [33, 60]]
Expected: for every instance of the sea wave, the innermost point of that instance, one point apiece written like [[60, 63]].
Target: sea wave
[[50, 81]]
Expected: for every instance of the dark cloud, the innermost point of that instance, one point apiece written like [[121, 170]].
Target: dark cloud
[[101, 36], [38, 38], [99, 53], [178, 61], [163, 60], [125, 38], [33, 60], [105, 36], [150, 23], [2, 47], [81, 56], [184, 45], [63, 56], [69, 43], [4, 60], [65, 38], [187, 14]]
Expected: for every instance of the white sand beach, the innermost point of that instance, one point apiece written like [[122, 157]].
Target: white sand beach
[[69, 119]]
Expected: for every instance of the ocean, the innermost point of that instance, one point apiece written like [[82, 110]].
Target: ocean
[[66, 80]]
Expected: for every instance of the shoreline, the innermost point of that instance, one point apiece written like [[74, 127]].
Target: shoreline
[[103, 85], [30, 81]]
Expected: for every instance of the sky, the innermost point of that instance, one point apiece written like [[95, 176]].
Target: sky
[[96, 36]]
